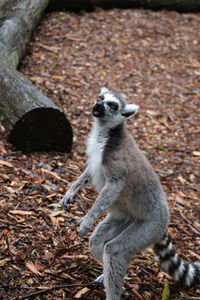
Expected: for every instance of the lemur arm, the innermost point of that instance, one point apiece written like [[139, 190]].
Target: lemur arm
[[106, 198], [76, 186]]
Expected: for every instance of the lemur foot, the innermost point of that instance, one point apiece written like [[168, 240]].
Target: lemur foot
[[100, 280]]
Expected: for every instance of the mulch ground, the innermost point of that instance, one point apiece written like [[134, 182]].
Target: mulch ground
[[153, 59]]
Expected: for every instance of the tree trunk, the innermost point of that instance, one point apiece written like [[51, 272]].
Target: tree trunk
[[18, 19], [36, 123], [179, 5]]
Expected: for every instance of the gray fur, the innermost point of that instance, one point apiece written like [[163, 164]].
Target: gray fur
[[129, 192], [76, 186]]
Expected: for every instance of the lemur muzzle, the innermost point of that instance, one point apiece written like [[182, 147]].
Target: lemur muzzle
[[98, 110]]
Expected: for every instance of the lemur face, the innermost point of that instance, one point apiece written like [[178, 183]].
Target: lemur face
[[107, 105], [111, 108]]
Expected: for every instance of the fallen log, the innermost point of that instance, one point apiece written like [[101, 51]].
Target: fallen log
[[5, 6], [178, 5], [34, 122], [18, 18]]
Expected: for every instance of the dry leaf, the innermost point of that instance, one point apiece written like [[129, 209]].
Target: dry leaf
[[196, 153], [81, 293], [57, 213], [22, 212], [39, 266], [48, 255], [4, 261], [6, 163], [73, 235], [179, 199], [33, 268], [74, 256]]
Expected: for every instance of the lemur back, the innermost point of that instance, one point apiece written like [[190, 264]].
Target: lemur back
[[131, 195]]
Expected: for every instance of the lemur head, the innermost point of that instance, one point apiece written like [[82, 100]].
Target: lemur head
[[112, 109]]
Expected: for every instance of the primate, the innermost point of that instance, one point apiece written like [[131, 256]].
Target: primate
[[130, 194]]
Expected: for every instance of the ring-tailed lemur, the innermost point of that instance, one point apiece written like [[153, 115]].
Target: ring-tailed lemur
[[131, 194]]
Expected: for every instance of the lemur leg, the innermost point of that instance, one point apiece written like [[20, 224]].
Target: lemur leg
[[118, 252], [106, 230]]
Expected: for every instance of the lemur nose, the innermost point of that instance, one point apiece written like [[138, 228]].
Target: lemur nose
[[98, 104]]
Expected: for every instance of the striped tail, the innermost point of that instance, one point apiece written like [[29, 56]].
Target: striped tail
[[184, 273]]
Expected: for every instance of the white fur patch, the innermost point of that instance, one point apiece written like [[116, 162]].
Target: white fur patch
[[190, 275], [104, 90], [131, 107], [100, 279], [166, 250], [157, 258], [111, 97], [180, 271], [175, 258], [96, 142]]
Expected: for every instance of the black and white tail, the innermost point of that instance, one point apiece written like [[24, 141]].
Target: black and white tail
[[184, 273]]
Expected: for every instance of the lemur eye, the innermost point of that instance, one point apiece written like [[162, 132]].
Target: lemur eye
[[113, 105], [100, 98]]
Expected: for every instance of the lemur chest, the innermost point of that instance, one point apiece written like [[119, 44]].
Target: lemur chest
[[95, 149]]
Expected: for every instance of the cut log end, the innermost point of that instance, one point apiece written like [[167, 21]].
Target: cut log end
[[42, 129]]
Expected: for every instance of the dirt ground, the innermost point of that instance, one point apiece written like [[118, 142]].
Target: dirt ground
[[153, 59]]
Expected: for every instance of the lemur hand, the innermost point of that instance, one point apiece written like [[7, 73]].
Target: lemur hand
[[85, 225], [68, 198]]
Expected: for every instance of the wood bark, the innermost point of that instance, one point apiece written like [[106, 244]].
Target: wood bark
[[5, 6], [36, 123], [178, 5], [18, 19]]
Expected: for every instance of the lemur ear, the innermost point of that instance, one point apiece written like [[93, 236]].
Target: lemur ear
[[129, 110], [104, 90]]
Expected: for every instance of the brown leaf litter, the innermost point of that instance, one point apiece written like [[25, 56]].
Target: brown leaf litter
[[153, 58]]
